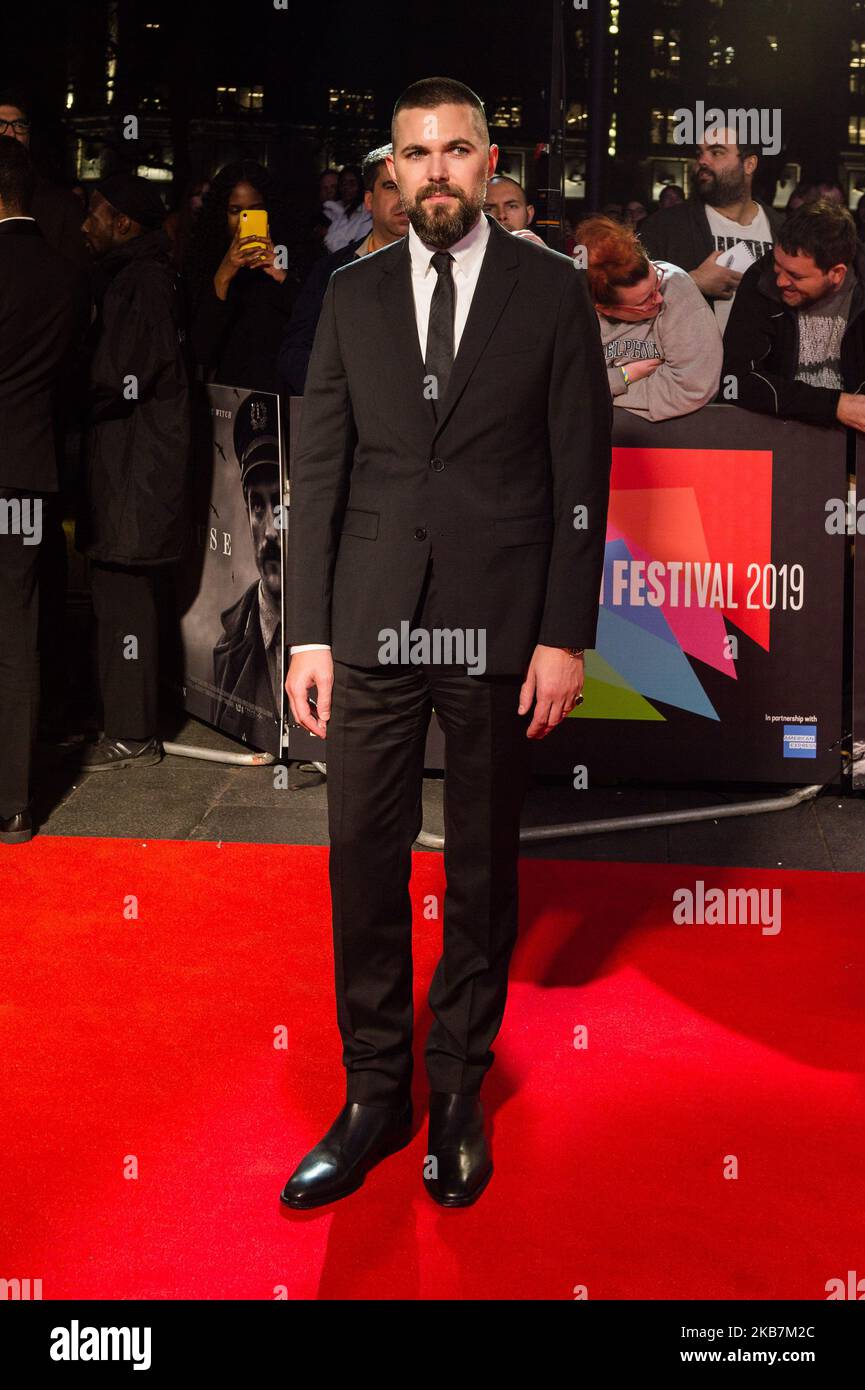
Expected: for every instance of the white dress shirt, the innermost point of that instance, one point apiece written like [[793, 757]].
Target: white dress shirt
[[468, 254]]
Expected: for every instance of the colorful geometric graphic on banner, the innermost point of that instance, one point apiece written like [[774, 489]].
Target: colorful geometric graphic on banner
[[684, 527]]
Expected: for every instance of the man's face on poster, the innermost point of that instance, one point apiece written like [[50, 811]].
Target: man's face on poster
[[262, 500]]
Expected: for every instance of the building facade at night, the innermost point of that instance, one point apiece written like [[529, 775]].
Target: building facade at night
[[302, 93]]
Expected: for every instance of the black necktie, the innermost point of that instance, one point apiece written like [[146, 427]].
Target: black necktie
[[440, 333]]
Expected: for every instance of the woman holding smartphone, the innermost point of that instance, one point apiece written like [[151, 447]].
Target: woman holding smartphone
[[239, 291]]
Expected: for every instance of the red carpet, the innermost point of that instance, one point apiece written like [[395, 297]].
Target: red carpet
[[151, 1041]]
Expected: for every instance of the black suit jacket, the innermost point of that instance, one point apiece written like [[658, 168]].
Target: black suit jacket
[[491, 486], [41, 309]]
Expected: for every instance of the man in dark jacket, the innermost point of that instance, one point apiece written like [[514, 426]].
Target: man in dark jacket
[[57, 211], [795, 344], [700, 235], [40, 310], [389, 223], [137, 458]]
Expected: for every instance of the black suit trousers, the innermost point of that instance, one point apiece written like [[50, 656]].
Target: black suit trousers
[[19, 661], [375, 756]]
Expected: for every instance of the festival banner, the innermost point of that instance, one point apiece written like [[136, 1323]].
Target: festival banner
[[719, 653]]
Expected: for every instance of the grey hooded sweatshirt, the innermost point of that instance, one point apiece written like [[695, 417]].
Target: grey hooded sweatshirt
[[685, 334]]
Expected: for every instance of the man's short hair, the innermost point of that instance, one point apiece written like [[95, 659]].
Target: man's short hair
[[744, 148], [824, 231], [508, 178], [372, 164], [17, 96], [441, 91], [16, 175]]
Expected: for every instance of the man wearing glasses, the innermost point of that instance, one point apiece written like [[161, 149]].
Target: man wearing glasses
[[58, 214], [661, 340]]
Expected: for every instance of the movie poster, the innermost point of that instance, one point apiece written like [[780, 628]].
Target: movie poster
[[232, 593]]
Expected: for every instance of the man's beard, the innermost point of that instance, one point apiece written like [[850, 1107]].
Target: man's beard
[[442, 226], [722, 189]]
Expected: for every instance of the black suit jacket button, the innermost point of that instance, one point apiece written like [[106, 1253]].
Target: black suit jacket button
[[420, 533], [437, 465]]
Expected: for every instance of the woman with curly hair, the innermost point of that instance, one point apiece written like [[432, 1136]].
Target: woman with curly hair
[[661, 340], [239, 298]]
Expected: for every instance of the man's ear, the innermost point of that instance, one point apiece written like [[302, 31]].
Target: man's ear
[[493, 160], [749, 165], [367, 200], [836, 274], [530, 211], [391, 167]]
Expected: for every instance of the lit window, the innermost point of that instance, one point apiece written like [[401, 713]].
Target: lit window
[[343, 102], [508, 111], [666, 53]]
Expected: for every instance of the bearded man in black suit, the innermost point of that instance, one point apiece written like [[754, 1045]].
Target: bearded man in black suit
[[451, 483]]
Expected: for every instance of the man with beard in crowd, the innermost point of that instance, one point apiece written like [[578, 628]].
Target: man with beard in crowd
[[721, 214], [456, 418], [58, 213]]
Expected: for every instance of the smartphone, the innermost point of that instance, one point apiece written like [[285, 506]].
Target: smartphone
[[253, 222]]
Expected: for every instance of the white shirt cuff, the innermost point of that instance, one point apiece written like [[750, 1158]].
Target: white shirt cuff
[[310, 647]]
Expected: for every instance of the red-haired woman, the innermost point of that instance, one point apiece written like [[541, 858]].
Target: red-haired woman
[[661, 339]]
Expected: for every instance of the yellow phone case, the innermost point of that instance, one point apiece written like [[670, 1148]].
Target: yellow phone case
[[253, 222]]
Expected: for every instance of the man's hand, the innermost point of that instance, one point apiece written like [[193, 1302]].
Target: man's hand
[[716, 280], [307, 669], [851, 410], [554, 680]]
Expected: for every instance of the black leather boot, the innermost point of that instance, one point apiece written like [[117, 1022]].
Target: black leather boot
[[463, 1166], [360, 1136]]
